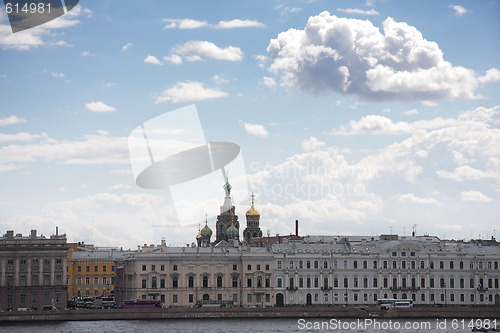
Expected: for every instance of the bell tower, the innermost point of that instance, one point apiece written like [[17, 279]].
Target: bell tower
[[227, 218], [253, 220]]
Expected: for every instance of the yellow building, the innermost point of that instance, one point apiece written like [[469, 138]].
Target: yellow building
[[91, 271]]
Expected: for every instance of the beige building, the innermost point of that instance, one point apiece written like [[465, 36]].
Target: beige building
[[182, 276], [33, 271]]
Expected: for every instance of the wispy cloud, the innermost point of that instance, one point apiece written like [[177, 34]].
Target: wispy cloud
[[126, 47], [11, 120], [188, 23], [256, 130], [99, 107], [189, 91], [459, 10], [357, 11]]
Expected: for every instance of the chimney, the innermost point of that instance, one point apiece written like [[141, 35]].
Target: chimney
[[297, 228], [57, 231], [33, 234], [277, 238], [10, 234]]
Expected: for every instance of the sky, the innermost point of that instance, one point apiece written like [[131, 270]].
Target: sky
[[353, 117]]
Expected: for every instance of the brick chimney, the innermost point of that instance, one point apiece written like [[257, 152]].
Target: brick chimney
[[297, 228]]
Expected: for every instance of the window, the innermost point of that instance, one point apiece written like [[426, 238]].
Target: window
[[346, 283], [413, 264], [249, 283], [175, 282], [34, 298], [394, 264], [268, 298], [174, 267], [235, 298], [112, 268], [279, 263], [96, 280], [46, 280], [235, 267], [308, 264], [431, 264], [355, 264], [394, 254], [268, 283], [403, 254], [22, 280], [374, 264], [249, 267], [355, 282], [395, 283], [79, 268], [22, 298], [153, 267], [451, 264], [259, 282], [365, 282], [441, 264], [301, 264], [143, 267], [191, 298], [345, 263], [471, 283], [422, 283], [279, 282], [267, 267], [316, 264], [335, 264], [191, 282], [174, 298], [325, 283], [205, 282], [431, 283], [162, 268], [291, 263], [143, 283], [375, 283], [219, 297], [78, 280], [96, 268], [452, 283], [87, 268], [461, 265], [462, 283], [291, 283], [316, 282], [154, 282], [412, 254], [365, 264], [422, 264], [258, 267], [403, 264], [235, 281], [104, 268], [162, 283], [308, 284], [249, 298], [385, 264], [219, 282]]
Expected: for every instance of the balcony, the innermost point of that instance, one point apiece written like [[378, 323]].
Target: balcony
[[325, 288], [292, 288]]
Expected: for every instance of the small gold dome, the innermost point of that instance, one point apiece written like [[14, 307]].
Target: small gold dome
[[252, 212]]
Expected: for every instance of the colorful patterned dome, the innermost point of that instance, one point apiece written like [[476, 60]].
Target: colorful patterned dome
[[232, 231], [206, 231]]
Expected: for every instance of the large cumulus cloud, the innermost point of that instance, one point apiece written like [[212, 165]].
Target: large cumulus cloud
[[352, 56]]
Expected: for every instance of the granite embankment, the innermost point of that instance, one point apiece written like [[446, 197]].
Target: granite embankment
[[287, 312]]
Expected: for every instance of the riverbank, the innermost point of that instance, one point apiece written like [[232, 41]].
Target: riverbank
[[490, 312]]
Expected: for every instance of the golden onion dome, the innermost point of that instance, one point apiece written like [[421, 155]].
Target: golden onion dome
[[252, 212], [199, 235]]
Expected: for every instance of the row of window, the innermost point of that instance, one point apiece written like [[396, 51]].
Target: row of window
[[34, 260], [87, 279], [259, 282], [46, 296], [314, 283], [394, 264], [35, 280], [257, 298], [96, 268], [174, 267]]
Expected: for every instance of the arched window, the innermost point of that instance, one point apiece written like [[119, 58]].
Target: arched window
[[175, 282], [219, 282], [191, 282], [259, 282], [205, 282], [153, 282], [235, 281]]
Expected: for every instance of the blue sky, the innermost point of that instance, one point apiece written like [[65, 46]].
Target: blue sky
[[354, 117]]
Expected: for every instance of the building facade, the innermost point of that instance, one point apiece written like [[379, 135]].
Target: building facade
[[343, 271], [91, 271], [33, 271], [183, 276]]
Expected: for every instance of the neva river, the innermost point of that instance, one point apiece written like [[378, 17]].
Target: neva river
[[241, 325]]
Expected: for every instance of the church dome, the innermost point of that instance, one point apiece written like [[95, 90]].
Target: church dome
[[206, 231], [252, 212], [199, 235], [232, 231]]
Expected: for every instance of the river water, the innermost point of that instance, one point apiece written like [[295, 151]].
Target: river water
[[243, 325]]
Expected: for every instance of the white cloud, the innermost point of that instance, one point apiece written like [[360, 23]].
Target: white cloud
[[32, 38], [256, 130], [99, 107], [126, 47], [459, 10], [411, 112], [474, 196], [492, 75], [153, 60], [411, 198], [174, 59], [184, 24], [189, 91], [352, 56], [120, 187], [268, 82], [357, 11], [105, 84], [62, 189], [11, 120], [87, 54], [462, 173], [312, 144], [236, 23], [85, 186], [21, 137], [58, 74], [219, 79], [199, 49]]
